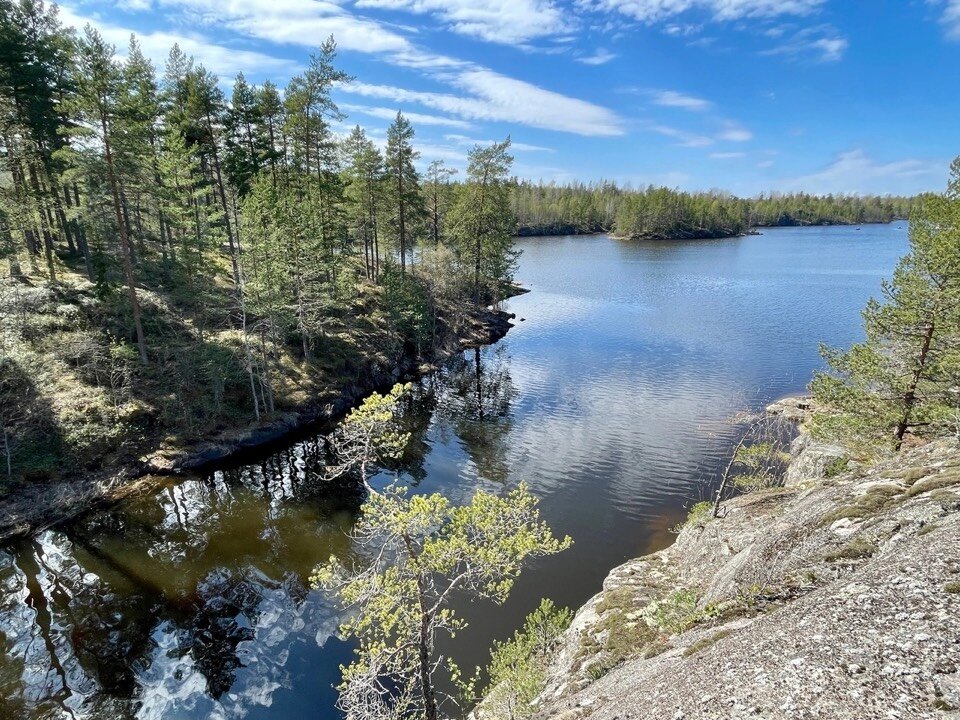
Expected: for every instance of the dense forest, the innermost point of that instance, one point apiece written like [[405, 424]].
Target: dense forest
[[661, 213], [179, 262]]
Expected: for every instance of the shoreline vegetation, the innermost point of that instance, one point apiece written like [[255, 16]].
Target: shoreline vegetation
[[186, 270], [659, 213]]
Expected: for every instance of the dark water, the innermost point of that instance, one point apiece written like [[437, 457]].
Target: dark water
[[611, 400]]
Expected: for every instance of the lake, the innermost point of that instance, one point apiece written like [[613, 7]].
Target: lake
[[612, 397]]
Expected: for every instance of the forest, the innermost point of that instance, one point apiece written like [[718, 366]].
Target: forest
[[664, 213], [179, 261]]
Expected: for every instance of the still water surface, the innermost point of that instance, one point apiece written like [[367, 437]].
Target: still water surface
[[611, 399]]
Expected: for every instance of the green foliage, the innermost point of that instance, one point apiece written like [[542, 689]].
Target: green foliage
[[902, 377], [699, 513], [675, 613], [423, 550], [410, 308], [659, 212], [368, 435], [482, 223], [836, 466], [518, 667], [758, 465], [405, 208]]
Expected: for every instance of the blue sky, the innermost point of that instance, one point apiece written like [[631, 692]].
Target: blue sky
[[743, 95]]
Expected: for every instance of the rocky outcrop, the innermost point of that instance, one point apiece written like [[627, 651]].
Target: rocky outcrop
[[833, 597]]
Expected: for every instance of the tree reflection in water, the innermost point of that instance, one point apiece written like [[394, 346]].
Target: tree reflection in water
[[190, 602]]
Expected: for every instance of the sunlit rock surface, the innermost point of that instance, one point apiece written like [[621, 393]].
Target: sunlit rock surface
[[831, 598]]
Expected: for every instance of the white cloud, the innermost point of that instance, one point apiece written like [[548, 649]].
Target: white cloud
[[763, 164], [684, 138], [682, 29], [495, 97], [224, 61], [653, 11], [491, 96], [732, 132], [727, 155], [385, 113], [518, 146], [950, 17], [600, 57], [855, 172], [823, 43], [671, 98], [301, 22], [502, 21]]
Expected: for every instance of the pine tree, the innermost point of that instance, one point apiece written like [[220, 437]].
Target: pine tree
[[403, 185], [98, 101], [364, 174], [482, 221], [439, 197], [902, 378]]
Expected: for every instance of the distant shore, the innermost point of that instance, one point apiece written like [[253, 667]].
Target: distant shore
[[559, 230]]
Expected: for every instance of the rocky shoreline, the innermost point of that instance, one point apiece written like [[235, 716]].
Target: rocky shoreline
[[33, 507], [836, 595]]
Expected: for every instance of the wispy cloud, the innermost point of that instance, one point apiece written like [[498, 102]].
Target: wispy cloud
[[496, 97], [385, 113], [501, 21], [683, 138], [671, 98], [222, 60], [821, 43], [682, 29], [727, 155], [729, 132], [653, 11], [489, 95], [599, 57], [518, 146], [950, 17], [733, 132], [854, 171], [297, 22]]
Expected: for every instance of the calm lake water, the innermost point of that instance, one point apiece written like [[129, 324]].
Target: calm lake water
[[612, 399]]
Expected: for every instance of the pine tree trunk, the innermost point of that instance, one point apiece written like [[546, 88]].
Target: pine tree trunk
[[127, 251], [910, 396], [223, 203], [79, 231]]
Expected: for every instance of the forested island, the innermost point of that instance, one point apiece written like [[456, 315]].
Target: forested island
[[660, 213]]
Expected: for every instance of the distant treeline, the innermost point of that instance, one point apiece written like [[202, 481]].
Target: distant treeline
[[657, 212]]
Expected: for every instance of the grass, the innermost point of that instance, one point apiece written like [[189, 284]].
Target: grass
[[705, 643], [621, 633], [699, 514], [870, 503], [857, 549], [944, 479]]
